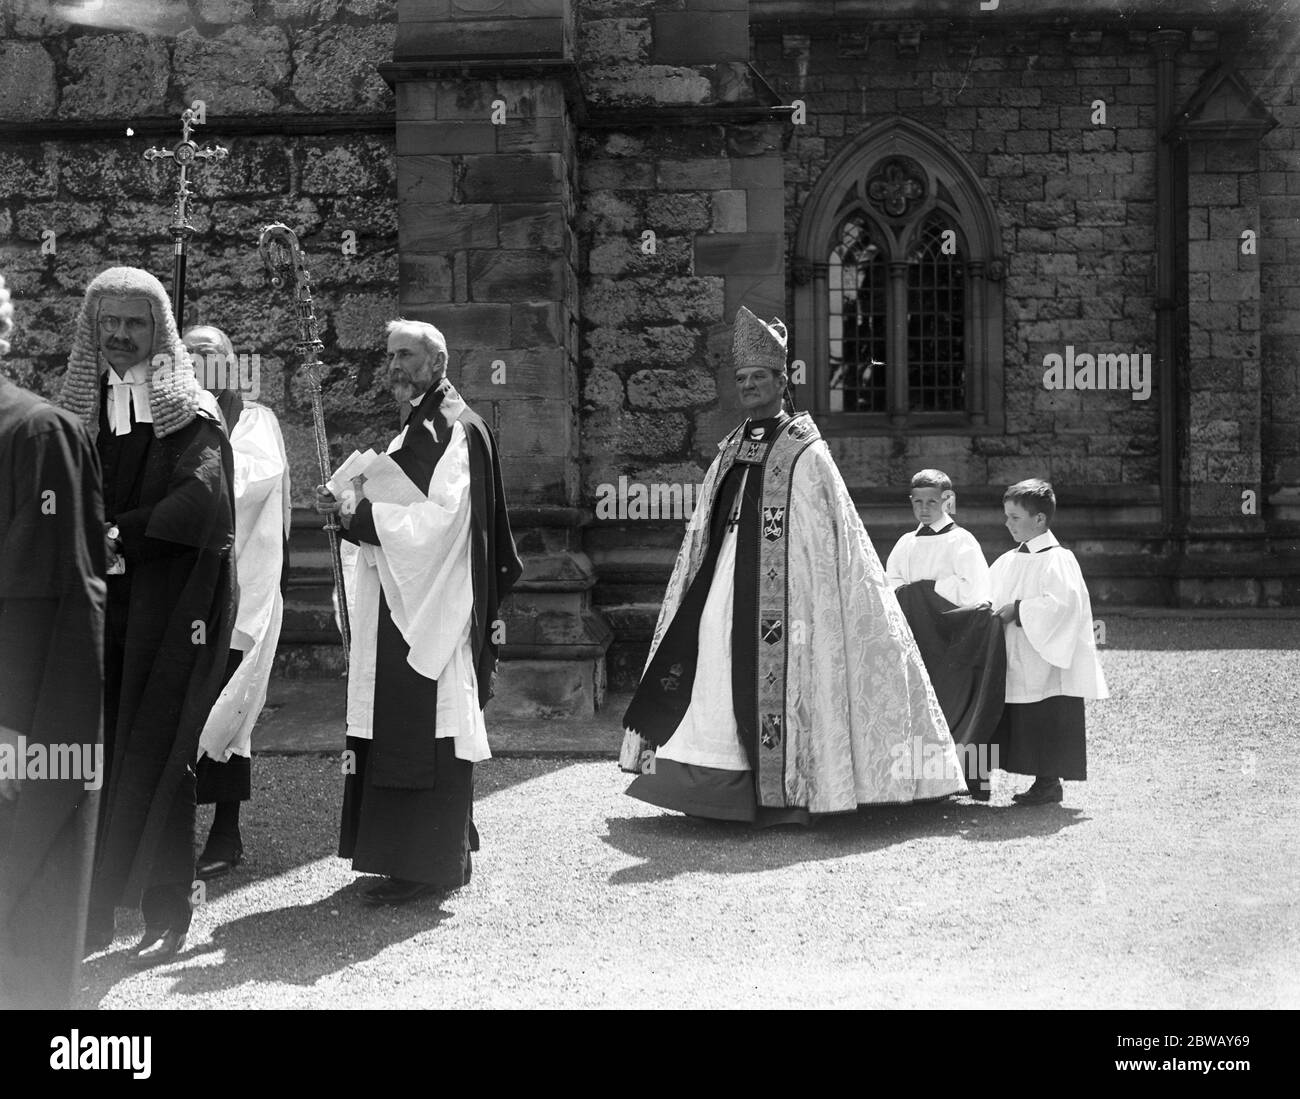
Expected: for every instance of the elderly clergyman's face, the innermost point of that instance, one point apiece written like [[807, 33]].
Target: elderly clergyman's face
[[411, 368], [126, 328]]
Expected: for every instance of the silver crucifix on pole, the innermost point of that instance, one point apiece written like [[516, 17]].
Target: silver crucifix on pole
[[185, 153]]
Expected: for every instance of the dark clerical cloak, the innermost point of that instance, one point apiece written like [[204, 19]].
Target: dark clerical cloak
[[408, 803], [51, 684], [169, 623], [966, 657]]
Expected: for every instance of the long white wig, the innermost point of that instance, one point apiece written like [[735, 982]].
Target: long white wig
[[175, 396]]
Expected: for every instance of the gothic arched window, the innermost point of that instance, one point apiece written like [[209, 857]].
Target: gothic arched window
[[898, 304]]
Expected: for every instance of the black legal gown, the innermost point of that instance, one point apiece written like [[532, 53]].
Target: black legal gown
[[51, 688], [408, 804], [169, 622]]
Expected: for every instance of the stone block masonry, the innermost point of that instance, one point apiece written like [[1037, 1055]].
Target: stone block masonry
[[656, 314], [104, 205]]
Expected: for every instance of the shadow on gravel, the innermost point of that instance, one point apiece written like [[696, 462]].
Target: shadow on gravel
[[673, 845], [299, 944]]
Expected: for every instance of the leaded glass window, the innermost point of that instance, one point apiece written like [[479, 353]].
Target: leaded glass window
[[898, 296], [936, 308], [858, 282]]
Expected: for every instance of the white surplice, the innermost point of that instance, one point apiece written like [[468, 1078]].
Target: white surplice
[[954, 561], [261, 525], [1052, 652], [423, 567], [708, 735]]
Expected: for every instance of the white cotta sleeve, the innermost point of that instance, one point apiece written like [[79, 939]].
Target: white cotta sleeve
[[969, 583], [895, 566], [1051, 619], [423, 561], [259, 461]]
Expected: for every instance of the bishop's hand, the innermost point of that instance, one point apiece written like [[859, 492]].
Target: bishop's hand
[[1008, 613]]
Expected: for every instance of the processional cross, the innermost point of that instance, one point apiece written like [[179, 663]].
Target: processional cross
[[185, 152]]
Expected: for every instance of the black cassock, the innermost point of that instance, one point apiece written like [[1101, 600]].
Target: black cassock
[[408, 805], [966, 657], [51, 689], [166, 647]]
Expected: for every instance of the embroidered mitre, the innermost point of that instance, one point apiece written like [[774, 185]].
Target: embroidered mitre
[[756, 342]]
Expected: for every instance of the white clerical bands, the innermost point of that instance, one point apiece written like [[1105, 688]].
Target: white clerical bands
[[123, 396]]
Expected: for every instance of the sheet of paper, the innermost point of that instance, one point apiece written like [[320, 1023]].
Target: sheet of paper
[[385, 483], [353, 465]]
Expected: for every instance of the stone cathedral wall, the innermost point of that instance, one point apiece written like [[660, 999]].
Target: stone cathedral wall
[[666, 125], [303, 70]]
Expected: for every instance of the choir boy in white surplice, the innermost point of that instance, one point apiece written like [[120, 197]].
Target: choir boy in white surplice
[[941, 579], [939, 549], [1052, 663], [423, 589]]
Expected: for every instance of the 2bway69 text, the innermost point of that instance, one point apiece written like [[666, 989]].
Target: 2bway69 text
[[1181, 1041]]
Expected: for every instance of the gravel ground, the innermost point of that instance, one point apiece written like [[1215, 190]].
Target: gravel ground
[[1167, 880]]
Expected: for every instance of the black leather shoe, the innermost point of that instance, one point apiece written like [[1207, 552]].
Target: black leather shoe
[[398, 891], [980, 791], [1045, 794], [157, 946], [208, 868]]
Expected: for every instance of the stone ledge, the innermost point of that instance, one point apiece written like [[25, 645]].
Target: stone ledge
[[479, 40]]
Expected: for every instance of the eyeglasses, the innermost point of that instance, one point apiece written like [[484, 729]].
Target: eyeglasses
[[109, 323]]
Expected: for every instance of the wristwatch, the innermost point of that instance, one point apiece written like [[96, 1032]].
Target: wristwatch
[[115, 536]]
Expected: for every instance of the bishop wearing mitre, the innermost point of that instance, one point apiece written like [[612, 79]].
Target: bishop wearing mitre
[[783, 682]]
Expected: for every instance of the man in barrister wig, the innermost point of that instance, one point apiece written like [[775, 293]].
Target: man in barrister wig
[[783, 681], [51, 689], [171, 595], [941, 579], [423, 592], [262, 514]]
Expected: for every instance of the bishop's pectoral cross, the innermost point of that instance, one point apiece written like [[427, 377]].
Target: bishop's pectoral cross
[[185, 152], [752, 452], [734, 519]]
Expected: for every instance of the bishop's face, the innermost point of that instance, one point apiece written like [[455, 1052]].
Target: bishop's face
[[760, 391], [126, 330], [411, 367]]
